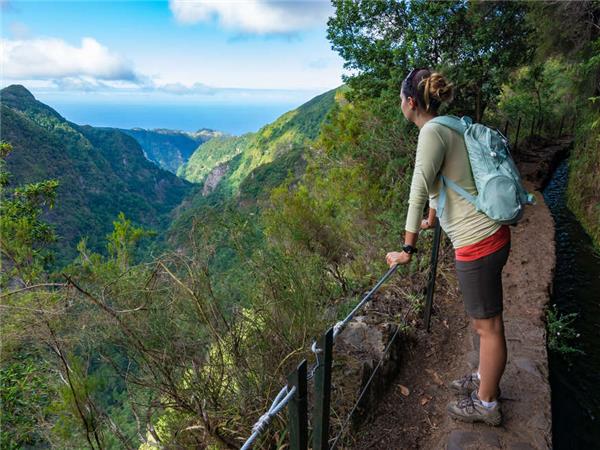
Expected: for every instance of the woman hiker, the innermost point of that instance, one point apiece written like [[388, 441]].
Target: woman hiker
[[481, 245]]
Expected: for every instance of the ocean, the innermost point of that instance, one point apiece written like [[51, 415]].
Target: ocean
[[230, 118]]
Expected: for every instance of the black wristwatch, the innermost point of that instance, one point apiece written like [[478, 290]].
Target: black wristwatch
[[409, 249]]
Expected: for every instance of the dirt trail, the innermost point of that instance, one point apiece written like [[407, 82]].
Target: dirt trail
[[419, 420]]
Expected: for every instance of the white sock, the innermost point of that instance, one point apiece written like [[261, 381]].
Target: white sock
[[488, 404]]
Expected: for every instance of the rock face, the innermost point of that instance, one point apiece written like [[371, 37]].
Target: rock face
[[368, 353], [539, 157], [363, 346], [213, 178]]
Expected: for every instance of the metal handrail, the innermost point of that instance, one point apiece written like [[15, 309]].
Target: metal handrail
[[281, 400]]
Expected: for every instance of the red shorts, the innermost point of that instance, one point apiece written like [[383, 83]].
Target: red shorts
[[484, 247]]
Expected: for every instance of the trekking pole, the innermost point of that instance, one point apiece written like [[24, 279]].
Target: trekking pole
[[431, 284]]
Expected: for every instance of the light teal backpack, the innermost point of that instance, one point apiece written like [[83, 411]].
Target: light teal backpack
[[501, 195]]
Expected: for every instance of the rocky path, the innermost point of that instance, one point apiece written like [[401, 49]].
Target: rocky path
[[413, 413]]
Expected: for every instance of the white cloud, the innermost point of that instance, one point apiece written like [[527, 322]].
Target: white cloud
[[181, 89], [254, 16], [54, 58], [148, 87], [91, 84], [54, 65]]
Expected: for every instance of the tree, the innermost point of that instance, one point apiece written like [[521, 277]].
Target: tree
[[24, 237], [123, 240], [24, 254], [565, 28], [476, 44]]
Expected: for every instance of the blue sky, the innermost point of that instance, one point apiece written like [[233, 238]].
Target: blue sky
[[178, 51]]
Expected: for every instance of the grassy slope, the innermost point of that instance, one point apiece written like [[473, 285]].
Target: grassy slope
[[296, 127]]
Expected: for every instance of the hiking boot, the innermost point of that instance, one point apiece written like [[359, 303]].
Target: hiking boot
[[467, 384], [470, 409]]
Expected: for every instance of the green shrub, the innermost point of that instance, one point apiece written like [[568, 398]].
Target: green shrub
[[561, 331]]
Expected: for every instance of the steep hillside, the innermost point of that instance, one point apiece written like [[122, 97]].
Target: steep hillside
[[101, 172], [243, 169], [293, 129], [170, 148], [211, 154]]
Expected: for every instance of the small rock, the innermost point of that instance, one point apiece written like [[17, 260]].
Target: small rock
[[404, 390], [435, 376]]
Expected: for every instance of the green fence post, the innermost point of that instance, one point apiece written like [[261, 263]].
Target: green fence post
[[431, 284], [517, 136], [323, 392], [297, 409]]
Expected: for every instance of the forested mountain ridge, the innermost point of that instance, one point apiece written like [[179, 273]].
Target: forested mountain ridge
[[239, 170], [170, 148], [295, 127], [101, 172], [217, 151]]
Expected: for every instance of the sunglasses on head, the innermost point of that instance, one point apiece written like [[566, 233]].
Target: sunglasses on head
[[409, 78]]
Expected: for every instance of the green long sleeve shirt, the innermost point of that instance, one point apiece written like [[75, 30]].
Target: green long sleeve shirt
[[442, 150]]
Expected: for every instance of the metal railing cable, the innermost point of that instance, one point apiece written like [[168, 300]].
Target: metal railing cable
[[364, 390], [337, 328], [286, 393], [261, 424]]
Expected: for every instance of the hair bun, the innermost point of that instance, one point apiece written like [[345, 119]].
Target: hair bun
[[436, 90]]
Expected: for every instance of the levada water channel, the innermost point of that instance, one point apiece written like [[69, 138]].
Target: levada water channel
[[575, 378]]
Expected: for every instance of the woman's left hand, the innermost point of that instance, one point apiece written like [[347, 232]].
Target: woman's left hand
[[393, 258]]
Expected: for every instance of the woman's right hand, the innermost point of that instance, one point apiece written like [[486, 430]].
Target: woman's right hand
[[425, 224], [393, 258]]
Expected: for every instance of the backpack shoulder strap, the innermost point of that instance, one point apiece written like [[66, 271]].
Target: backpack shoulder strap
[[455, 123], [456, 188], [459, 125]]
